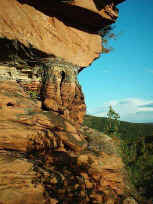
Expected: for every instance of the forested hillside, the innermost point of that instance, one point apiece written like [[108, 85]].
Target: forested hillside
[[126, 129]]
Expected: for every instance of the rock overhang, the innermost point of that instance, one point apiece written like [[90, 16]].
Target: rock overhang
[[87, 15], [66, 29]]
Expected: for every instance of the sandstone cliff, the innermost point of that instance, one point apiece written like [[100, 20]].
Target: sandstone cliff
[[46, 155], [61, 28]]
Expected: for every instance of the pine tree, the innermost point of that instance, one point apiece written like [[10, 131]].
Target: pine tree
[[112, 123]]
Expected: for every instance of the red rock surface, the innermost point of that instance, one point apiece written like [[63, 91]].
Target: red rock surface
[[63, 94], [17, 110], [45, 159], [61, 29], [46, 156], [16, 177]]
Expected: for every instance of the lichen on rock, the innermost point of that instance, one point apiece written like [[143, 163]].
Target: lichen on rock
[[62, 92]]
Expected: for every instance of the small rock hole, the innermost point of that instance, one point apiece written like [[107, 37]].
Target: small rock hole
[[10, 104]]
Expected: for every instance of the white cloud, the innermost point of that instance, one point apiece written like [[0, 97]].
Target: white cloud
[[150, 70], [106, 70], [129, 109]]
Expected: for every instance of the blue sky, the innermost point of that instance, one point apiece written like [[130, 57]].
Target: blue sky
[[124, 77]]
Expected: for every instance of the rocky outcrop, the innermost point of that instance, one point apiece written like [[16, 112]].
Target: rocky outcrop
[[46, 155], [16, 176], [62, 92], [56, 85], [47, 160], [66, 29], [25, 116]]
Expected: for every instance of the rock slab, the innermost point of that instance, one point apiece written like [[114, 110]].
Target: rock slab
[[66, 30]]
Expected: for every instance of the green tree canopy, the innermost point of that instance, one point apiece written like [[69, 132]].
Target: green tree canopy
[[112, 122]]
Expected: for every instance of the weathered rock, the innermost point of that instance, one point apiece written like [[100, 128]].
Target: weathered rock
[[56, 85], [47, 159], [16, 176], [106, 165], [129, 200], [60, 29], [29, 123], [45, 154], [62, 92]]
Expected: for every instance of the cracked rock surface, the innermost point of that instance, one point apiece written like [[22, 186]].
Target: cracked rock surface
[[47, 159]]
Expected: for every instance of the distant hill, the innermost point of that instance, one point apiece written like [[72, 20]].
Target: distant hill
[[136, 142], [127, 129]]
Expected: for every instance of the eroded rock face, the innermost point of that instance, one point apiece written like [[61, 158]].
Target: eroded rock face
[[56, 85], [47, 160], [62, 92], [129, 200], [62, 29], [46, 156], [16, 176], [25, 116]]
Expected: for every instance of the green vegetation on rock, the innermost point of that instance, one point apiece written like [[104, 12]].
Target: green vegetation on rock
[[112, 123]]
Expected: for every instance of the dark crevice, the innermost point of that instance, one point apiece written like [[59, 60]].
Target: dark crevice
[[14, 154], [10, 104], [62, 78], [71, 15], [101, 4], [67, 147], [62, 75], [13, 53]]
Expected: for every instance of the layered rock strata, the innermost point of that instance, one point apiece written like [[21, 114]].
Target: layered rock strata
[[62, 92], [46, 156], [55, 83], [45, 159]]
